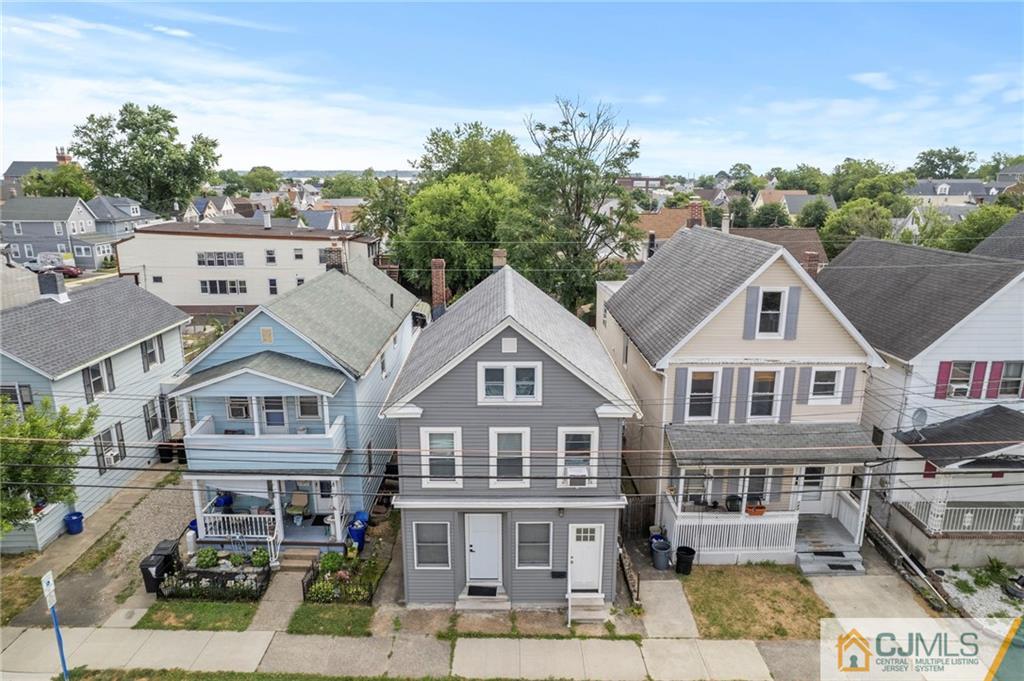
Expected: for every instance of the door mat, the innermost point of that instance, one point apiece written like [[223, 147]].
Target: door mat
[[482, 591]]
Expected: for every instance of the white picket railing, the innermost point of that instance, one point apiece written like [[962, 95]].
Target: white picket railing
[[773, 532], [939, 515], [848, 512], [247, 526]]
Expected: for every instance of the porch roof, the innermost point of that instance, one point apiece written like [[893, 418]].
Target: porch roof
[[774, 443], [273, 365], [988, 432]]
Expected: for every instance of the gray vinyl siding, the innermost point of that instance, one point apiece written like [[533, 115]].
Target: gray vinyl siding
[[40, 233]]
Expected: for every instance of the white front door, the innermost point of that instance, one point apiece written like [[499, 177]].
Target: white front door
[[586, 555], [483, 547], [275, 416], [815, 497]]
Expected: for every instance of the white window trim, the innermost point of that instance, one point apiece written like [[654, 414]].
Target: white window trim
[[16, 251], [715, 390], [595, 434], [248, 409], [782, 313], [493, 457], [776, 401], [970, 380], [551, 541], [415, 552], [298, 410], [16, 226], [425, 481], [284, 411], [999, 383], [30, 250], [509, 396], [58, 229], [837, 397]]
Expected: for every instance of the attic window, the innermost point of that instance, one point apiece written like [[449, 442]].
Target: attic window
[[509, 345], [134, 210], [942, 190], [267, 335]]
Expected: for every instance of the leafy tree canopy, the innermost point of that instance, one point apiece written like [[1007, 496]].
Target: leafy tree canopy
[[643, 200], [262, 179], [234, 183], [851, 171], [283, 209], [678, 200], [813, 214], [989, 169], [470, 149], [386, 208], [347, 184], [770, 215], [802, 177], [963, 236], [943, 163], [750, 185], [889, 190], [740, 170], [712, 214], [741, 211], [64, 180], [860, 217], [706, 182]]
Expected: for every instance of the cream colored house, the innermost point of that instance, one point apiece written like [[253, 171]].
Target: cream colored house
[[751, 383]]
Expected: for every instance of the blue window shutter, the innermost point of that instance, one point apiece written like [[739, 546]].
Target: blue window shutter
[[803, 386], [849, 383], [750, 315], [786, 406], [725, 395], [792, 312], [679, 398], [742, 392]]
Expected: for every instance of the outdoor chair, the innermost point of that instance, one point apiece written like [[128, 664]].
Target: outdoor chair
[[297, 505]]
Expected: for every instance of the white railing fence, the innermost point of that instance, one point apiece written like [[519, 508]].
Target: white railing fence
[[848, 512], [940, 515], [731, 532], [247, 526]]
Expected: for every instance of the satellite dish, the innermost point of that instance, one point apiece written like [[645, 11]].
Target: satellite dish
[[919, 418]]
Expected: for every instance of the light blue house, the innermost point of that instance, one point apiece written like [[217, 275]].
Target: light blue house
[[282, 410]]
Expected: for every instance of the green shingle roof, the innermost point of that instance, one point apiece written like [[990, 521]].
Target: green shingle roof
[[276, 365]]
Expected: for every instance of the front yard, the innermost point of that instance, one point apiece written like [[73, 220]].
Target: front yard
[[206, 615], [754, 601], [331, 619], [19, 591]]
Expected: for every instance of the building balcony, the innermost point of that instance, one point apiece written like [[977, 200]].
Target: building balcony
[[227, 449]]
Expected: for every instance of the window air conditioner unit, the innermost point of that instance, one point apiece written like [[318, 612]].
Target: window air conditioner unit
[[109, 459], [578, 475]]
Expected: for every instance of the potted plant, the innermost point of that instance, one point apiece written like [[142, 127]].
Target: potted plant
[[756, 509]]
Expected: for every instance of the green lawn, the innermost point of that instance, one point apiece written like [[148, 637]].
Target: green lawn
[[332, 619], [17, 591], [202, 615]]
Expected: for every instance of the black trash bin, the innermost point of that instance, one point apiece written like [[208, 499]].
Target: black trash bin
[[169, 548], [684, 560], [165, 451], [152, 568]]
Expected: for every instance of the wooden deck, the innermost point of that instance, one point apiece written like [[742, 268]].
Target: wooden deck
[[822, 533]]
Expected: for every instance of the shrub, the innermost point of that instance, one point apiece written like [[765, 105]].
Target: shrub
[[964, 586], [321, 591], [331, 562], [236, 559], [355, 592], [260, 557], [206, 558]]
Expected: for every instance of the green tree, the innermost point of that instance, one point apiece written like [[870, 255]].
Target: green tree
[[706, 182], [41, 451], [137, 154], [750, 185], [803, 177], [963, 236], [234, 183], [461, 219], [740, 170], [678, 200], [571, 178], [470, 149], [813, 214], [712, 215], [860, 217], [385, 210], [643, 200], [989, 169], [889, 190], [262, 179], [741, 211], [349, 184], [65, 180], [1014, 200], [943, 163], [851, 171], [283, 209], [770, 215], [929, 228]]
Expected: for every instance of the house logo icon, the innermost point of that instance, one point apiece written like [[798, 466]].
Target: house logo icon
[[854, 652]]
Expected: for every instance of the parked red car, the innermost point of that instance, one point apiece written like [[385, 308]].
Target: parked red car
[[69, 271]]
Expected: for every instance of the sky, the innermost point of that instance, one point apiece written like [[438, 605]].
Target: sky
[[702, 86]]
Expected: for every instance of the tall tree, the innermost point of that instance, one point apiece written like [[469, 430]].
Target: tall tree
[[41, 453], [929, 228], [712, 214], [349, 184], [643, 200], [741, 211], [860, 217], [706, 181], [386, 207], [740, 170], [471, 149], [770, 215], [750, 185], [64, 180], [138, 154], [803, 177], [943, 163], [813, 214], [851, 171], [989, 169], [234, 183], [262, 179], [963, 236], [678, 200], [889, 190], [283, 209], [571, 181]]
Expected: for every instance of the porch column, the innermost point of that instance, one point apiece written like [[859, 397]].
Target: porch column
[[744, 481], [936, 514], [255, 415], [679, 489], [865, 493], [184, 414], [197, 500], [336, 503], [278, 510], [326, 413]]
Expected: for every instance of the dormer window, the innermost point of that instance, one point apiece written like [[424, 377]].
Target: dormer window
[[942, 190], [133, 210], [771, 313], [509, 383]]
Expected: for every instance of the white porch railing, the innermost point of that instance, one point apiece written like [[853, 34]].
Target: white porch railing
[[709, 533], [848, 513], [242, 526], [950, 517]]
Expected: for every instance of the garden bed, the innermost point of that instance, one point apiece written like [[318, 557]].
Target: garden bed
[[337, 578], [979, 591], [220, 576]]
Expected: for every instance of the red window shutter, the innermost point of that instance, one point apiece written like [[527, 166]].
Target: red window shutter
[[997, 474], [942, 380], [977, 380], [995, 374], [929, 469]]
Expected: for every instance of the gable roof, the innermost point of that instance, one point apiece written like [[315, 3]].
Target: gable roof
[[22, 168], [664, 223], [1016, 168], [777, 195], [502, 298], [1005, 242], [348, 316], [957, 187], [317, 219], [903, 298], [99, 319], [39, 208], [779, 443], [797, 240], [682, 284], [220, 201], [982, 429], [276, 365], [796, 202], [115, 208]]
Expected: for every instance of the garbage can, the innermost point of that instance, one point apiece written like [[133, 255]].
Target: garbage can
[[684, 560], [165, 451], [194, 526], [152, 572], [169, 548], [74, 522], [660, 551], [655, 538], [357, 532]]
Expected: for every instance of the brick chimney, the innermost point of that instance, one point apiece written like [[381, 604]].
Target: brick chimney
[[652, 243], [726, 222], [63, 157], [335, 258], [811, 262], [438, 288], [696, 213], [499, 258]]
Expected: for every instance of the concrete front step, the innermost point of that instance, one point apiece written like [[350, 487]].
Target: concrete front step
[[498, 602], [590, 613], [837, 563], [297, 560]]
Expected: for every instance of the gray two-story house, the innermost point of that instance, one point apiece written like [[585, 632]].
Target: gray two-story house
[[510, 421], [34, 225], [117, 218], [110, 344]]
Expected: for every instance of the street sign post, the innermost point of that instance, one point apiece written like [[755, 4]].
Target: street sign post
[[50, 592]]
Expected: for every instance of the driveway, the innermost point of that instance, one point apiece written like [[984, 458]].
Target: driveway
[[868, 596]]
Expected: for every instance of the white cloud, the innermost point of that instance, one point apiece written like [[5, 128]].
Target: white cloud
[[184, 15], [175, 32], [876, 80]]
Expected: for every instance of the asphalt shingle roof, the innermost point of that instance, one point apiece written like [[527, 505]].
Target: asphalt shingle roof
[[902, 298], [796, 202], [770, 443], [349, 316], [22, 168], [274, 364], [995, 424], [56, 338], [30, 208], [796, 240], [317, 219], [684, 282], [957, 187], [1005, 242], [506, 294], [115, 208]]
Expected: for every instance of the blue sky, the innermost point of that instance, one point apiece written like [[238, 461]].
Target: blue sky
[[702, 86]]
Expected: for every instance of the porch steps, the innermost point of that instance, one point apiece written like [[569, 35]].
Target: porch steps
[[588, 607], [297, 559], [498, 602], [838, 563]]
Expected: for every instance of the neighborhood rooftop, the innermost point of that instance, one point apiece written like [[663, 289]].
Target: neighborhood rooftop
[[989, 430], [275, 365], [911, 295], [250, 230], [770, 443], [1005, 242], [28, 208], [798, 241]]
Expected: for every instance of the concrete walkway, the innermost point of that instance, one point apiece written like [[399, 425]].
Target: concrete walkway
[[667, 613], [279, 603], [868, 596]]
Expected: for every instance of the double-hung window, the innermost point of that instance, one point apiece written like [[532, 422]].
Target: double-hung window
[[826, 385], [151, 417], [238, 409], [509, 383], [431, 548], [509, 457], [58, 228], [441, 457], [272, 285], [17, 228], [93, 382], [1012, 379], [533, 546], [577, 457], [763, 394], [110, 447], [18, 394], [271, 256], [700, 403], [960, 379], [297, 253], [152, 352], [308, 407], [771, 312], [763, 484]]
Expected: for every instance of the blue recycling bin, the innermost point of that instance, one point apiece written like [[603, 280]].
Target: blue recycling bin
[[74, 522], [357, 531], [194, 526]]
